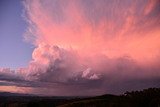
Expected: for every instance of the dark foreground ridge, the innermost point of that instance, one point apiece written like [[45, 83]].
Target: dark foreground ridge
[[146, 98]]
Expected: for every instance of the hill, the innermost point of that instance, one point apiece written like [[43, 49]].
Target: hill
[[145, 98]]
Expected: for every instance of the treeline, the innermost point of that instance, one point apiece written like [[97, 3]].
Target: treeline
[[145, 98]]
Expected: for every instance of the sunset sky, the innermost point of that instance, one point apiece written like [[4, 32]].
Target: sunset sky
[[79, 47]]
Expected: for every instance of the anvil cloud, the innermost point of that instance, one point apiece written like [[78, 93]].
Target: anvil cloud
[[92, 46]]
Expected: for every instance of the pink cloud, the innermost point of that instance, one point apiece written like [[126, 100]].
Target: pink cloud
[[90, 40]]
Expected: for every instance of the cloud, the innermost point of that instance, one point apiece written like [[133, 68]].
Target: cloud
[[94, 43], [8, 74], [93, 26], [87, 74]]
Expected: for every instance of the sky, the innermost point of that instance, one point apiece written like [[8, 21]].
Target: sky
[[79, 47], [14, 52]]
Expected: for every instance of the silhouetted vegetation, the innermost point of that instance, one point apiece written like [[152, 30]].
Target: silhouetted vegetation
[[145, 98]]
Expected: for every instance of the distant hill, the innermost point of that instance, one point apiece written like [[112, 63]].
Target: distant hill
[[145, 98], [8, 99], [13, 94]]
